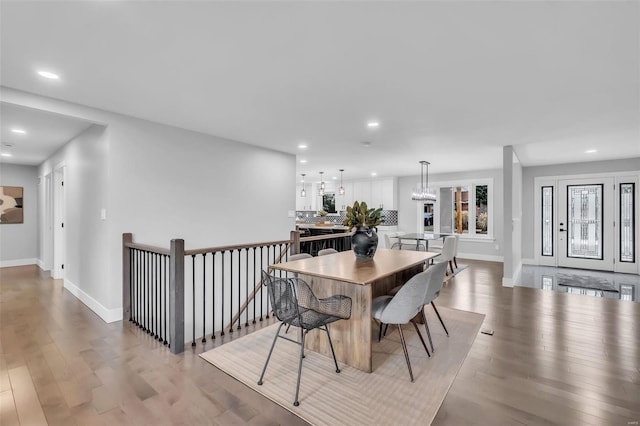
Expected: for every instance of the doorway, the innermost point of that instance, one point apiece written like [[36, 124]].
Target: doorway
[[588, 222]]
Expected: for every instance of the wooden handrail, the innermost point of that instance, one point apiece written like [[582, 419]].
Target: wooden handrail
[[147, 247], [236, 247], [325, 237]]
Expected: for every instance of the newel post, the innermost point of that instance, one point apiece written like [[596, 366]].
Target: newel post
[[295, 241], [176, 296], [127, 238]]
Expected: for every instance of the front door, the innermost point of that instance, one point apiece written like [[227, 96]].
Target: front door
[[586, 223]]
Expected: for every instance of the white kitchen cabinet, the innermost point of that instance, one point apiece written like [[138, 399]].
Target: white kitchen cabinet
[[383, 193], [362, 191]]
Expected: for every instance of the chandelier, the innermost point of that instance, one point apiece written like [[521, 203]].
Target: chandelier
[[423, 193]]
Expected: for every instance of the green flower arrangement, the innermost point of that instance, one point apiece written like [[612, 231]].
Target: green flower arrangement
[[360, 215]]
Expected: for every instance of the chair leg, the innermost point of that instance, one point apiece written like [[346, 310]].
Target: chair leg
[[426, 327], [326, 328], [421, 339], [386, 327], [380, 333], [296, 402], [406, 353], [455, 262], [453, 271], [269, 356], [440, 318]]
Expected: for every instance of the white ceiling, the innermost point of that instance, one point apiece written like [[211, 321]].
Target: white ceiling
[[449, 82]]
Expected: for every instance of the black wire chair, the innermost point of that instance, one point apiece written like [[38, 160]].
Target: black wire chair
[[294, 303]]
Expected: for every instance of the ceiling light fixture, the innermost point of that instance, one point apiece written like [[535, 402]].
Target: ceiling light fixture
[[6, 154], [321, 184], [49, 75], [374, 174], [341, 189], [19, 131], [302, 146], [373, 124], [303, 193], [303, 161], [591, 151], [422, 193]]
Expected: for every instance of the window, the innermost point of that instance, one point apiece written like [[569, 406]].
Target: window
[[463, 208], [547, 220], [627, 225]]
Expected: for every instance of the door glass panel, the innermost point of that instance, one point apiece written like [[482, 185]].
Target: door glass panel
[[482, 211], [547, 220], [584, 205], [446, 210], [627, 228]]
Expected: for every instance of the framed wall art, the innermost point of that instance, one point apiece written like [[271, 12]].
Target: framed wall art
[[11, 210]]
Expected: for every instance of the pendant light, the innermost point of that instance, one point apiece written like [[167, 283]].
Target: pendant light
[[341, 189], [422, 193], [303, 193], [321, 184]]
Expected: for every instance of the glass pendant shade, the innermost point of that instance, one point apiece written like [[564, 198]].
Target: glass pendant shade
[[341, 189], [321, 184], [422, 193], [303, 193]]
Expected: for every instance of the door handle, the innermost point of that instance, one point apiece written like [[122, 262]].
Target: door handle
[[562, 230]]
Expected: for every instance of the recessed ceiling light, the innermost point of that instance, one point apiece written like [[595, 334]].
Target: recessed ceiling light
[[303, 161], [334, 177], [373, 124], [49, 75], [366, 144], [302, 146], [591, 151], [374, 174], [6, 154], [20, 131]]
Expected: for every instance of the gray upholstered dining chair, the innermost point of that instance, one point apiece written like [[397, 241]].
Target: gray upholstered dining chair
[[327, 251], [294, 303], [387, 240], [401, 308], [448, 250], [433, 291], [298, 257]]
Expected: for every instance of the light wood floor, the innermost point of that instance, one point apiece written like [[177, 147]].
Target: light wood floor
[[555, 358]]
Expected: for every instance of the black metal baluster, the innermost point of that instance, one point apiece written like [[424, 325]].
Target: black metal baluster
[[253, 282], [145, 284], [246, 286], [139, 284], [261, 265], [149, 287], [231, 291], [222, 298], [131, 299], [193, 299], [166, 298], [134, 300], [213, 295], [204, 292], [239, 288], [156, 259]]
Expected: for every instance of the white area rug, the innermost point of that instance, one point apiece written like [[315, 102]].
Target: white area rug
[[353, 397]]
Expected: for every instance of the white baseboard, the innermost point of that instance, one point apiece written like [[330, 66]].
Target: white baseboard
[[107, 315], [529, 262], [42, 265], [475, 256], [18, 262]]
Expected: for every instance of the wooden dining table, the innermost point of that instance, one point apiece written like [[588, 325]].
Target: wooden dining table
[[361, 280]]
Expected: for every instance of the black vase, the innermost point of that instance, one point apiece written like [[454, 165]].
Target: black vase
[[364, 242]]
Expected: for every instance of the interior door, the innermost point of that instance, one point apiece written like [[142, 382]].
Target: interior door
[[586, 223]]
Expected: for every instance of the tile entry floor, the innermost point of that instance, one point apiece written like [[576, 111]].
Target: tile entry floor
[[609, 285]]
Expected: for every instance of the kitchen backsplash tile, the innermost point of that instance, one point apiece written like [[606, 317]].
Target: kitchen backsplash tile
[[389, 217]]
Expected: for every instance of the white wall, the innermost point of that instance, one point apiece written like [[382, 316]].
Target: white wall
[[529, 174], [19, 241], [475, 249], [158, 182]]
